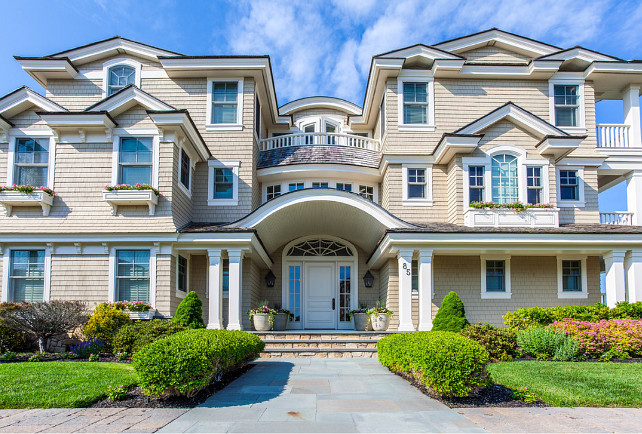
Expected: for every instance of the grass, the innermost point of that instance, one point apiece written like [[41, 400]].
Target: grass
[[59, 384], [568, 384]]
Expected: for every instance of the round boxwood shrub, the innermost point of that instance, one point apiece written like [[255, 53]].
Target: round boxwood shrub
[[189, 312], [451, 316], [184, 363], [446, 362], [105, 323], [132, 337]]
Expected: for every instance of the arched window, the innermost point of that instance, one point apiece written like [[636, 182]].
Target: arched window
[[504, 179], [119, 77], [319, 248]]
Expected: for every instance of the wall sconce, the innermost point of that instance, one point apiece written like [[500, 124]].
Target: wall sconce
[[270, 279], [368, 279]]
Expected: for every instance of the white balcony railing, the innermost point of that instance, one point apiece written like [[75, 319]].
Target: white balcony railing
[[307, 139], [616, 218], [613, 136]]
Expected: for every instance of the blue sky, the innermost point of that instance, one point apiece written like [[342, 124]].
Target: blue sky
[[318, 47]]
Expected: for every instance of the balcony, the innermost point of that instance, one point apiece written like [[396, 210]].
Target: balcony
[[498, 218], [328, 139], [613, 136], [622, 218]]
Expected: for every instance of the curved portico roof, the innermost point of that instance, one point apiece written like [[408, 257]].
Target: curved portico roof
[[316, 102]]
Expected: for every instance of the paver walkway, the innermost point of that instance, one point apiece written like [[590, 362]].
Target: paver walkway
[[320, 395]]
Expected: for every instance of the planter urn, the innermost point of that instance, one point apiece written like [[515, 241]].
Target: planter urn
[[361, 322], [262, 322], [380, 322], [280, 321]]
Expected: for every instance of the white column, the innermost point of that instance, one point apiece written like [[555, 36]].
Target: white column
[[425, 289], [235, 258], [634, 196], [215, 291], [631, 99], [634, 276], [615, 279], [405, 290]]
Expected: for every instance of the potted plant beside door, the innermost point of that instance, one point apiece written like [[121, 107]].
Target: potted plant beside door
[[380, 317], [361, 318], [262, 317], [281, 318]]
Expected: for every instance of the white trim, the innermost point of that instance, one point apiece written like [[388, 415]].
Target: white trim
[[560, 285], [138, 133], [427, 200], [116, 62], [501, 38], [581, 116], [24, 98], [187, 190], [112, 296], [52, 155], [5, 276], [214, 164], [120, 102], [188, 257], [580, 187], [332, 184], [238, 125], [6, 271], [320, 102], [416, 76], [518, 116], [507, 278]]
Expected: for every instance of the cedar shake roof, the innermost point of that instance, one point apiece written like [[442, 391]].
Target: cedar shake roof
[[318, 154]]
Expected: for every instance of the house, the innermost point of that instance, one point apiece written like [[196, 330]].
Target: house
[[297, 204]]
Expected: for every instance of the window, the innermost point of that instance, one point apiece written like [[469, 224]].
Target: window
[[414, 265], [504, 179], [367, 192], [135, 160], [273, 191], [572, 275], [345, 292], [296, 186], [569, 185], [225, 104], [132, 275], [534, 185], [344, 187], [415, 103], [495, 276], [182, 273], [382, 117], [294, 291], [331, 129], [416, 183], [566, 100], [185, 169], [476, 183], [120, 76], [257, 117], [31, 162], [223, 182], [319, 185], [226, 278], [27, 275], [309, 140]]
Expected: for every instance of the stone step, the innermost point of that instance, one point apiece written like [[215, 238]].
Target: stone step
[[313, 344], [330, 344], [319, 353]]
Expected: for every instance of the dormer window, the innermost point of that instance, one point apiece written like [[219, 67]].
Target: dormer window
[[566, 105], [416, 99], [504, 179], [120, 76]]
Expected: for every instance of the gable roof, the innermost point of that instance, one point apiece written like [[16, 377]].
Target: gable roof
[[126, 98], [580, 53], [23, 98], [419, 50]]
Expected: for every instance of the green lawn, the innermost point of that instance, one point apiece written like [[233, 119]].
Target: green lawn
[[59, 384], [568, 384]]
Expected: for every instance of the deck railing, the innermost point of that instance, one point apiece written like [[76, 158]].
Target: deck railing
[[616, 218], [613, 136], [308, 139]]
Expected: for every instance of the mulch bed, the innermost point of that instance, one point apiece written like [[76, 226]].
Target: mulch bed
[[60, 357], [136, 398]]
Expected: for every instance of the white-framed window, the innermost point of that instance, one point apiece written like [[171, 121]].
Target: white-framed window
[[366, 191], [133, 275], [570, 186], [223, 184], [476, 183], [296, 186], [135, 157], [495, 277], [534, 185], [504, 178], [257, 117], [182, 275], [343, 186], [120, 73], [27, 275], [566, 104], [224, 104], [572, 278], [319, 184], [185, 175], [416, 95], [417, 185], [272, 191], [31, 160]]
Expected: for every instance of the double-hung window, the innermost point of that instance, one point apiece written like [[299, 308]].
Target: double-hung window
[[273, 191], [366, 191], [135, 160], [416, 183], [185, 169], [223, 183], [534, 185], [132, 275], [476, 183], [344, 187], [571, 275], [27, 275], [31, 162], [504, 179], [296, 186], [415, 103], [182, 274], [569, 185], [119, 77], [567, 104], [225, 102], [495, 277]]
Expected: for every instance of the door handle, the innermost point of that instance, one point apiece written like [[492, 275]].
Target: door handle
[[334, 302]]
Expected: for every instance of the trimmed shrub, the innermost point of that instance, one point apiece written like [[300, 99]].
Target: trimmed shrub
[[501, 343], [184, 363], [189, 312], [604, 339], [10, 339], [547, 343], [447, 362], [105, 322], [451, 316], [132, 337]]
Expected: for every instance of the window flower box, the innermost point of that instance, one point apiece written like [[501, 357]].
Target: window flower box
[[149, 314], [26, 195], [135, 309], [495, 215], [139, 194]]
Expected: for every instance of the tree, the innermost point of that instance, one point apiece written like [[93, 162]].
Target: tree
[[189, 312], [45, 320], [451, 316]]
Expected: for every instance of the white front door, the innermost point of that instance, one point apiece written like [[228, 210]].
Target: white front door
[[320, 295]]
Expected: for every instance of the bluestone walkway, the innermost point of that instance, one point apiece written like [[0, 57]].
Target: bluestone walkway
[[320, 395]]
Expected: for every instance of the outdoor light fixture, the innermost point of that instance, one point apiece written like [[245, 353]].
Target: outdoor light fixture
[[270, 279], [368, 279]]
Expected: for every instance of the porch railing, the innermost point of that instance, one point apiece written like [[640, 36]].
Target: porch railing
[[616, 218], [308, 139], [613, 136]]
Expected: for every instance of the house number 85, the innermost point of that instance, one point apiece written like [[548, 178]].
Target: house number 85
[[405, 267]]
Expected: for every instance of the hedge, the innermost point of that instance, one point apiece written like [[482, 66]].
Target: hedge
[[185, 363], [132, 337], [447, 362], [501, 343]]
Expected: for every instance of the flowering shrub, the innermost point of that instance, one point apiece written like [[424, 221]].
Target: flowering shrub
[[605, 339], [132, 306], [26, 189], [379, 309], [516, 206], [523, 394], [132, 187], [116, 393], [87, 348], [94, 358]]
